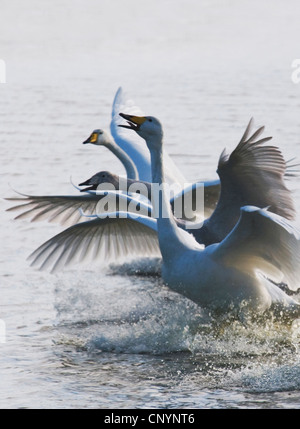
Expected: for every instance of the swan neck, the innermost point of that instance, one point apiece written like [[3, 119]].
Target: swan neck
[[129, 165], [157, 166], [161, 204], [168, 235]]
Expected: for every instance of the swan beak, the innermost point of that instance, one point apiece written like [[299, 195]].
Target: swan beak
[[134, 122], [92, 139], [86, 182], [89, 188]]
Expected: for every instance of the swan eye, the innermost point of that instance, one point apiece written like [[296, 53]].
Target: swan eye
[[150, 120]]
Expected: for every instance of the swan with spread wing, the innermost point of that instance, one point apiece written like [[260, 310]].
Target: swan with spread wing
[[253, 174], [232, 275]]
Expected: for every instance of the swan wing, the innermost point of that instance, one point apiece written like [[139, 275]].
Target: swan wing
[[135, 146], [67, 209], [211, 195], [265, 242], [290, 169], [254, 172], [106, 239], [63, 209], [189, 193], [130, 142]]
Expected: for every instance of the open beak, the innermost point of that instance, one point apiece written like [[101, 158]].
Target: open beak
[[134, 122], [89, 188]]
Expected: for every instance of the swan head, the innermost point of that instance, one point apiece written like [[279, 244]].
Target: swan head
[[99, 137], [147, 127], [102, 177]]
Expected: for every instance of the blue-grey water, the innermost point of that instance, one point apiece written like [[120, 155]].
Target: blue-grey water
[[93, 337]]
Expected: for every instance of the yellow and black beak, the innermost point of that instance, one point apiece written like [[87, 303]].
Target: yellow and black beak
[[92, 138], [134, 122]]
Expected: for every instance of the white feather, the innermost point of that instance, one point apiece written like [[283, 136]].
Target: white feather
[[105, 238]]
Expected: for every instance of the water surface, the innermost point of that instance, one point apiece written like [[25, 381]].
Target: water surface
[[92, 336]]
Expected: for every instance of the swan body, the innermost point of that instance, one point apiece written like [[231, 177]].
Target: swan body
[[222, 277], [233, 273]]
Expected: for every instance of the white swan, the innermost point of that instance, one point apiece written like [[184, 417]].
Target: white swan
[[251, 166], [232, 275], [234, 272]]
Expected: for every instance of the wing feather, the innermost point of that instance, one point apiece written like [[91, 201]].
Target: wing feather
[[255, 172], [266, 242], [104, 238], [63, 209], [66, 209]]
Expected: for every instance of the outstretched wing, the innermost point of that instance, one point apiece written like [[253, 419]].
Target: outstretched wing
[[266, 242], [67, 209], [63, 209], [106, 239], [130, 142], [254, 175]]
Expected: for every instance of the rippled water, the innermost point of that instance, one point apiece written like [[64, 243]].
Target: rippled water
[[93, 337]]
